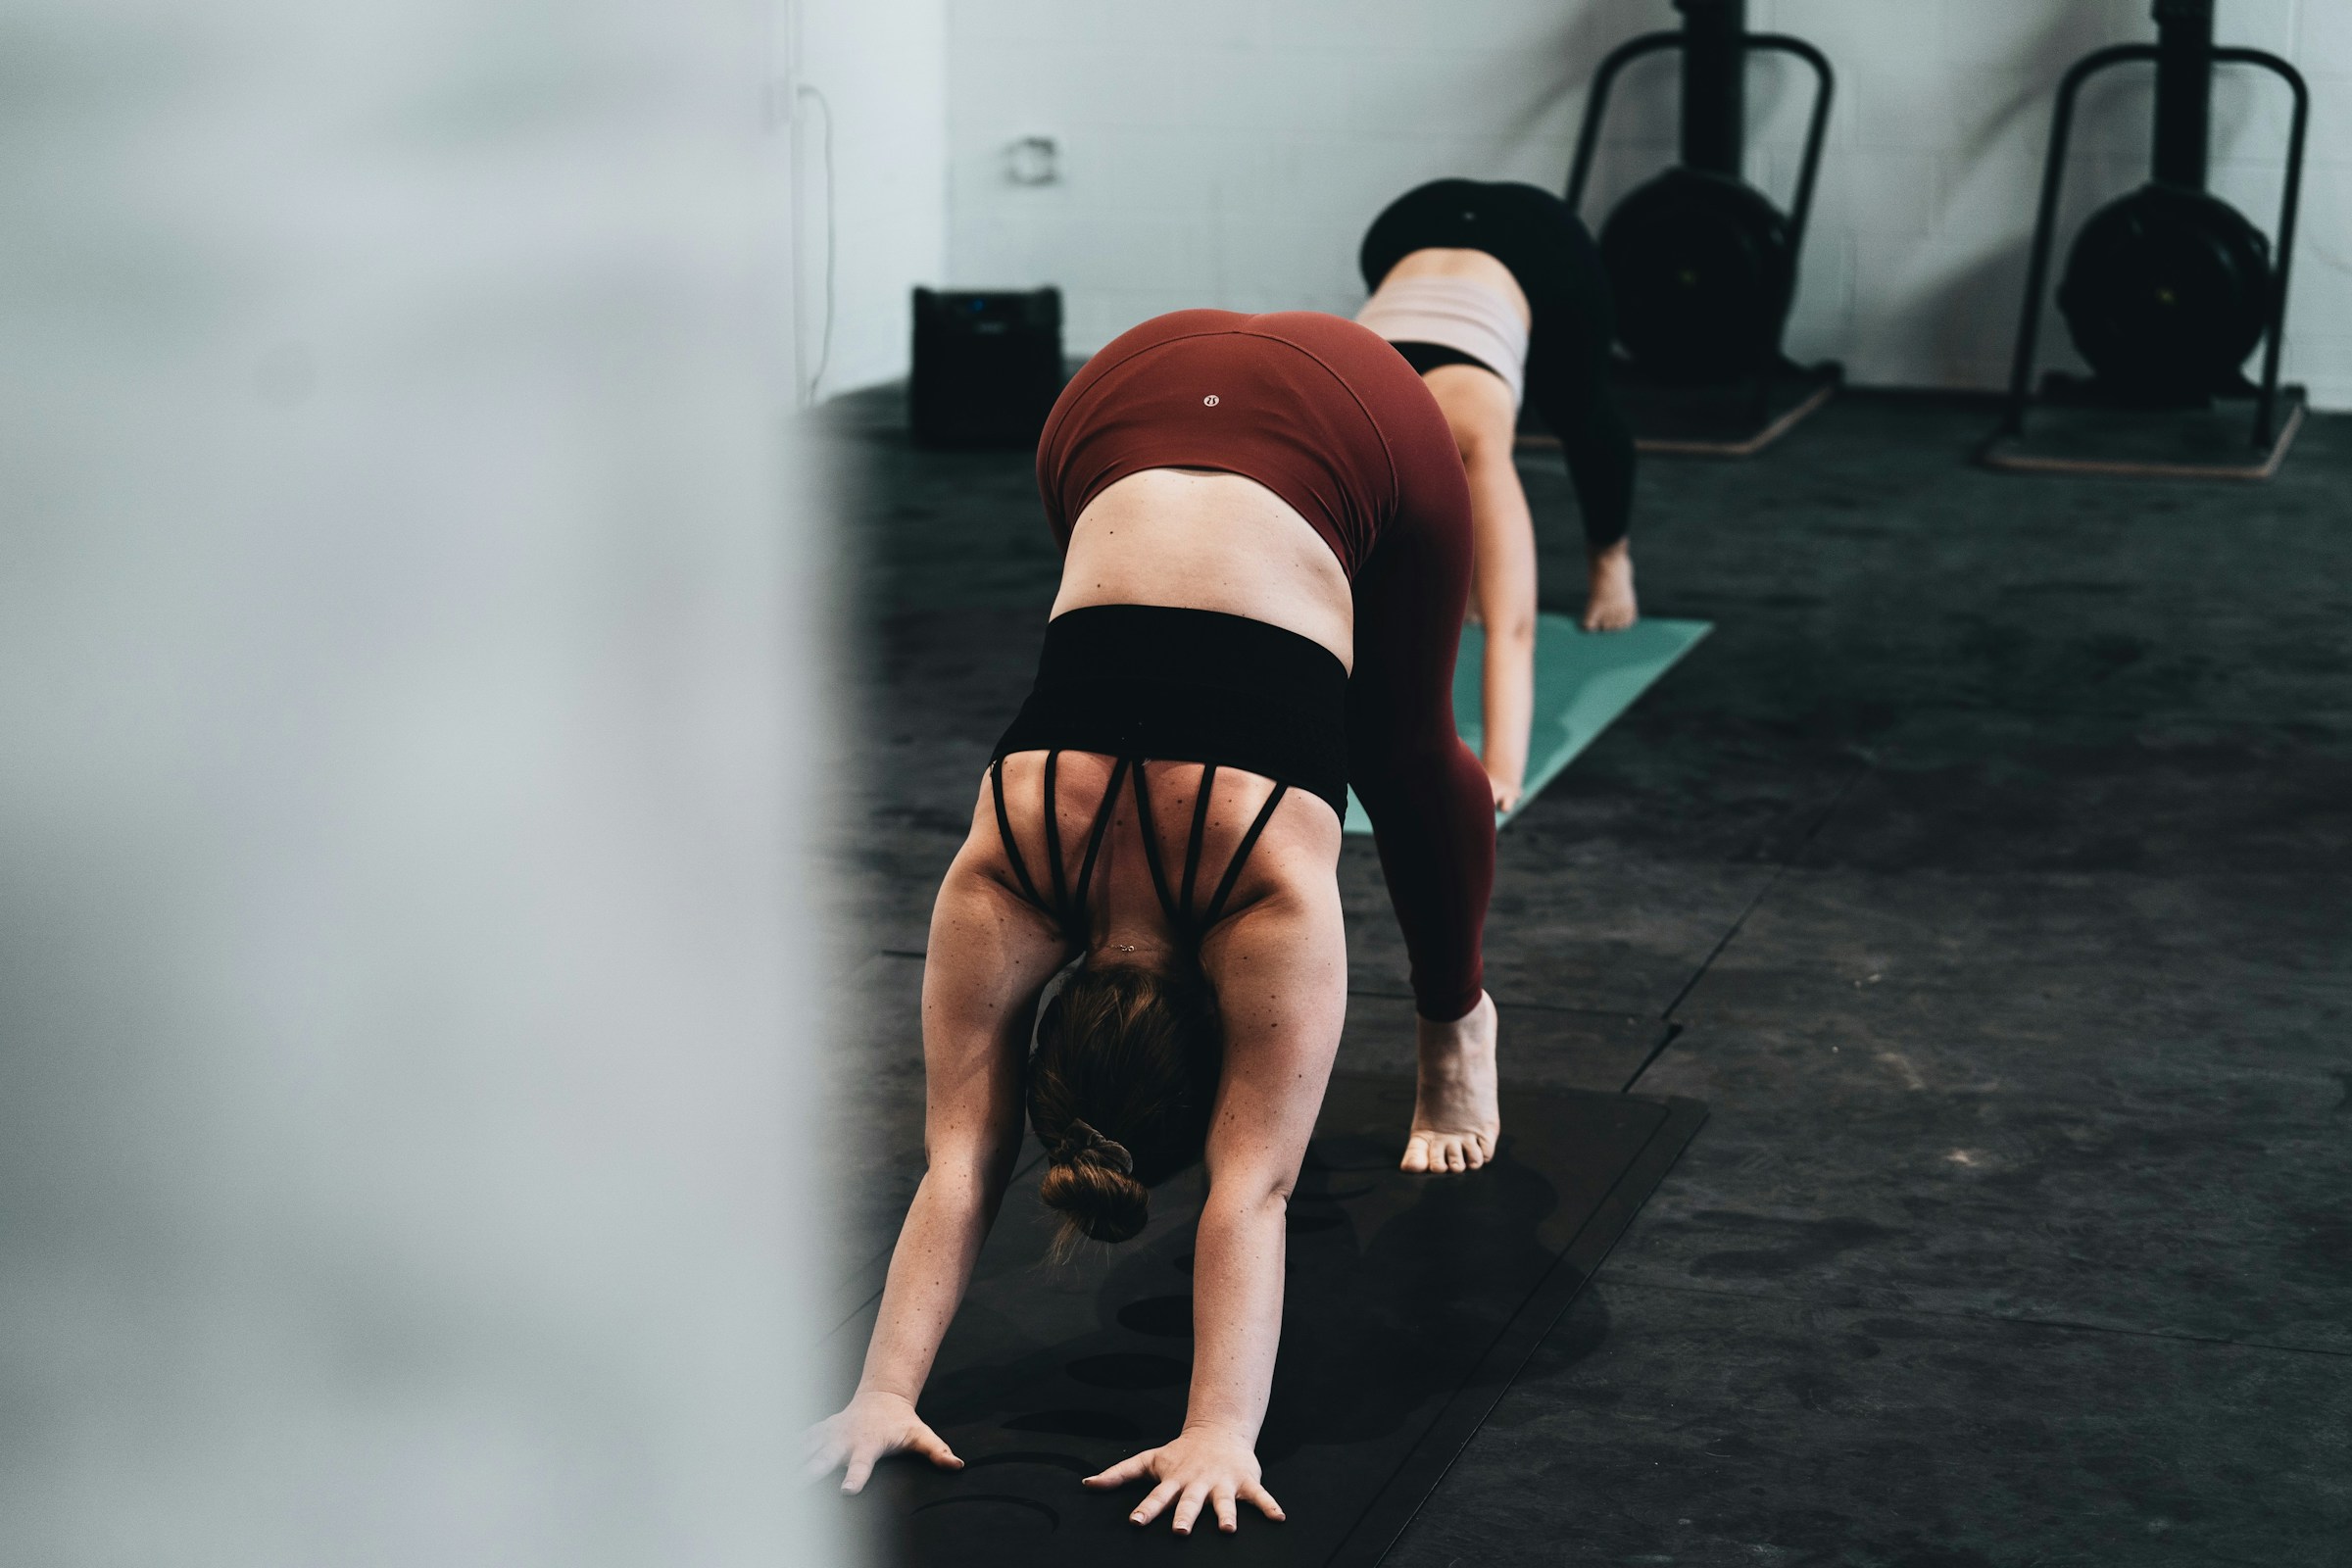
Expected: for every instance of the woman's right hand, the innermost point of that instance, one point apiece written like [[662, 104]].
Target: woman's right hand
[[871, 1427]]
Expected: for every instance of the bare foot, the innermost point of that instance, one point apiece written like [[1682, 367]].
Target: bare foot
[[1455, 1119], [1609, 597]]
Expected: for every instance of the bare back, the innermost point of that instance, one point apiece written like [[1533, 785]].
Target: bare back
[[1199, 539], [1439, 261], [1295, 851]]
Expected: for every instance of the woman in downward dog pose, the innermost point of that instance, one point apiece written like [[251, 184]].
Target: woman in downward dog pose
[[1266, 543], [1495, 292]]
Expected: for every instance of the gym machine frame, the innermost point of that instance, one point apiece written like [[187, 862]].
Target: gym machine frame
[[2180, 157], [1714, 139]]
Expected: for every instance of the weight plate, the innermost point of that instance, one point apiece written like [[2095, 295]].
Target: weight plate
[[1699, 266], [2167, 290]]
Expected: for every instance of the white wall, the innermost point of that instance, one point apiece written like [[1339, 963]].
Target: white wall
[[882, 65], [407, 677], [1231, 152]]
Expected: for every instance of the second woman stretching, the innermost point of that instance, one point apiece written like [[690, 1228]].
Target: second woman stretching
[[1496, 293]]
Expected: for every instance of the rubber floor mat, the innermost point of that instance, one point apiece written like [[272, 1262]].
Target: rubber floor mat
[[1412, 1302]]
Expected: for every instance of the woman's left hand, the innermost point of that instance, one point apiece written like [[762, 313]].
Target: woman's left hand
[[1204, 1465]]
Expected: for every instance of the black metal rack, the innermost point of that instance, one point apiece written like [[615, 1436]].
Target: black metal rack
[[1762, 402], [2183, 58], [1714, 131]]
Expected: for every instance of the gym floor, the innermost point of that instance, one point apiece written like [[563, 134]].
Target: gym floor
[[1986, 873]]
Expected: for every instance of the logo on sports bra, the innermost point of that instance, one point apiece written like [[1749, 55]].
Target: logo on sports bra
[[1210, 401]]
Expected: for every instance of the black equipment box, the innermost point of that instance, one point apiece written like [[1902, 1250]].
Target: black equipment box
[[986, 367]]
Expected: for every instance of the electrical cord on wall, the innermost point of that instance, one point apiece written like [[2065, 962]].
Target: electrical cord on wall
[[825, 343]]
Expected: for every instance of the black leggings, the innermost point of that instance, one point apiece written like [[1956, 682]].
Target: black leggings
[[1559, 268]]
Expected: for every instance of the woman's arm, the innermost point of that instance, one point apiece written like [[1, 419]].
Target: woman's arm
[[989, 955], [1483, 422], [1503, 587], [1568, 381], [1280, 968]]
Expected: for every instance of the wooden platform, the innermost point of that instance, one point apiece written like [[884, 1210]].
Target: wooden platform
[[1715, 421], [2213, 443]]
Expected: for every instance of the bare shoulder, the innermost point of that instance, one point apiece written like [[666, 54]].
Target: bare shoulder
[[991, 951], [1300, 843], [983, 906], [1279, 963], [1284, 911], [1295, 856]]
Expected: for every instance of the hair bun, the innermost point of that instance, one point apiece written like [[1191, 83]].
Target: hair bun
[[1135, 1052], [1098, 1201], [1083, 1143]]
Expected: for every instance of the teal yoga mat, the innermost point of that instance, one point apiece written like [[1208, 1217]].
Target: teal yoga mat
[[1583, 681]]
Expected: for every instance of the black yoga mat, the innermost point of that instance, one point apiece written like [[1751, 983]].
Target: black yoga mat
[[1411, 1304]]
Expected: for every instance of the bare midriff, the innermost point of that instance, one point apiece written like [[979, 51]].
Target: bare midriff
[[1476, 266], [1202, 539]]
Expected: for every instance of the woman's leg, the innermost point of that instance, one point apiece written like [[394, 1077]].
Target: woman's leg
[[1479, 411], [1431, 805], [1568, 383], [1569, 386]]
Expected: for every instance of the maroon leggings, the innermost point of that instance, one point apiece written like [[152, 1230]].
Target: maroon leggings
[[1332, 419]]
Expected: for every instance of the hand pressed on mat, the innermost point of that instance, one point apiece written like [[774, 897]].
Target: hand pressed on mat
[[871, 1427], [1204, 1465]]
